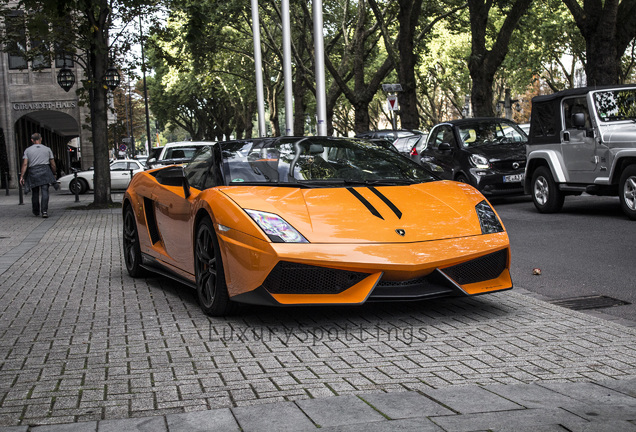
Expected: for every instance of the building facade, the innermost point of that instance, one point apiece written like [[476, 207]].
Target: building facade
[[31, 100]]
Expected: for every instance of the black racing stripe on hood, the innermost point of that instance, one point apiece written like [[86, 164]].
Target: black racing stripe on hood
[[387, 201], [366, 203]]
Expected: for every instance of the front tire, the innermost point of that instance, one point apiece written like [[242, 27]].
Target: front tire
[[546, 195], [132, 251], [627, 191], [462, 179], [210, 276], [78, 186]]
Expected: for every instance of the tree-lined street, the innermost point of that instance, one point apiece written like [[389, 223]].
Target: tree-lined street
[[452, 60]]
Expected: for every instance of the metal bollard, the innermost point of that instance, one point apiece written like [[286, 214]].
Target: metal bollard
[[20, 193], [76, 189]]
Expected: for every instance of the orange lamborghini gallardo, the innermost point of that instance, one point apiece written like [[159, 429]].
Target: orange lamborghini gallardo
[[310, 221]]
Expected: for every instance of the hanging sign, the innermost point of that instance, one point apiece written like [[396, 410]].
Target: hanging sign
[[392, 102]]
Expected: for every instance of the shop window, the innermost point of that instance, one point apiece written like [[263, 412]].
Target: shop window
[[43, 60], [16, 49]]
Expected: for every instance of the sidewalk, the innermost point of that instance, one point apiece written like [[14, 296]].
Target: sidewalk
[[84, 347]]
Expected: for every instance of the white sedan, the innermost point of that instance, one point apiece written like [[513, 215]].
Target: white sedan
[[119, 177]]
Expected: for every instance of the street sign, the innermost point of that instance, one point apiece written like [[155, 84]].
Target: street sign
[[122, 147], [392, 102], [391, 88]]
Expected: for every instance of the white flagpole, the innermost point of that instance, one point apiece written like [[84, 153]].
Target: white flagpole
[[287, 70], [258, 65], [319, 49]]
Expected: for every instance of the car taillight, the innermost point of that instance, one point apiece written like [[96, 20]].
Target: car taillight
[[413, 151]]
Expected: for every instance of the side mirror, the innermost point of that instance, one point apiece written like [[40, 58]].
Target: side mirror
[[578, 120], [444, 147], [174, 176]]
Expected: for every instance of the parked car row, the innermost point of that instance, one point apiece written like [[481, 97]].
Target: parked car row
[[122, 170], [487, 153], [581, 140]]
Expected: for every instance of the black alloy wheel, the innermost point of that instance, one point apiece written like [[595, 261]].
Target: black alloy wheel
[[132, 250], [210, 277]]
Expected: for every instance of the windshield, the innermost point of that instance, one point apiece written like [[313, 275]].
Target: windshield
[[491, 132], [318, 161], [180, 152], [615, 105]]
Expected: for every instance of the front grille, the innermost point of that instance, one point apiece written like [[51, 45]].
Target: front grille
[[431, 286], [506, 165], [403, 284], [480, 269], [293, 278]]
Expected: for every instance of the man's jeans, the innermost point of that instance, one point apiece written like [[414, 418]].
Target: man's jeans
[[35, 199]]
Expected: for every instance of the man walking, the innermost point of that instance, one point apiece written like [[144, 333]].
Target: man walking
[[38, 164]]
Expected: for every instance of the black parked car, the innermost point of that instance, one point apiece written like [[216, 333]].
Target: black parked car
[[488, 153]]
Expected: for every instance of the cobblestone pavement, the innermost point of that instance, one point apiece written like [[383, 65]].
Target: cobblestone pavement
[[82, 344]]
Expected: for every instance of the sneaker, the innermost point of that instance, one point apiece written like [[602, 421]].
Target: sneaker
[[45, 215]]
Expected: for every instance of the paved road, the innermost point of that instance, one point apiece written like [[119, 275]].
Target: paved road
[[587, 249], [82, 344]]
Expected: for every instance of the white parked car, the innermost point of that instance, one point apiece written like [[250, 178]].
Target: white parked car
[[176, 153], [119, 177]]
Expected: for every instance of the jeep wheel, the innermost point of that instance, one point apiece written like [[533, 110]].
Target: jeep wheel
[[545, 193], [627, 191]]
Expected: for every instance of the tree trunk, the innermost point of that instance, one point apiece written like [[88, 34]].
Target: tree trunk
[[483, 63], [99, 59], [482, 94], [603, 65], [598, 23], [408, 17], [361, 117], [272, 102]]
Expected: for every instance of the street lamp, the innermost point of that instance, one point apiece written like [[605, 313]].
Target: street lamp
[[65, 78], [112, 78]]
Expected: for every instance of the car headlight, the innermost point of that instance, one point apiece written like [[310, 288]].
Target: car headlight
[[276, 228], [488, 219], [479, 161]]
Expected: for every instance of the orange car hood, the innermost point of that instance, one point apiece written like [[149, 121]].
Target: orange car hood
[[428, 211]]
